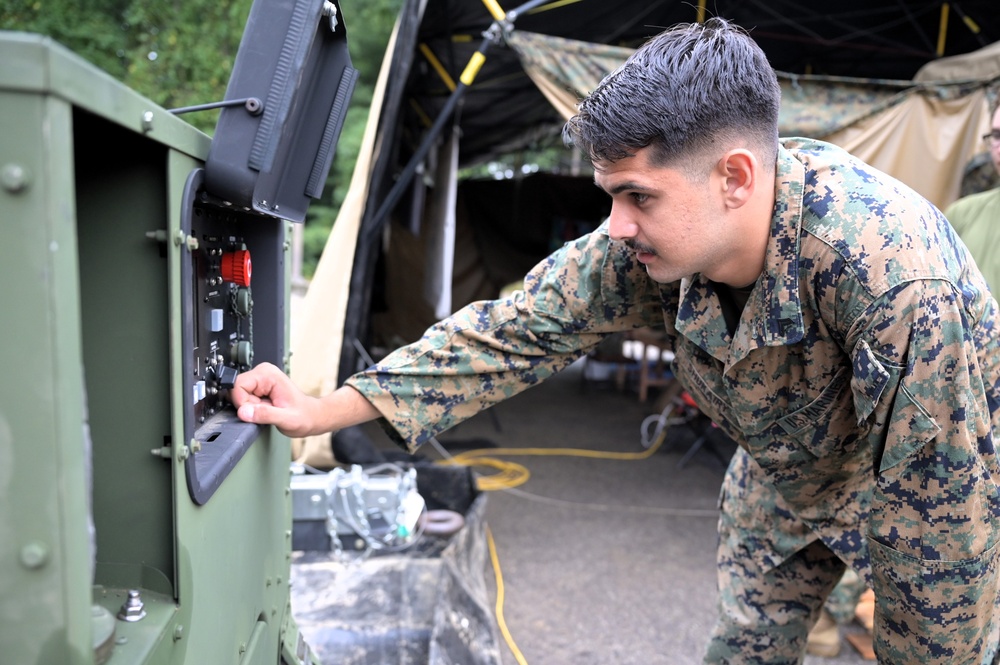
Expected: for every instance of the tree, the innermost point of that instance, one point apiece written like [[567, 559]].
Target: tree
[[181, 53], [176, 53]]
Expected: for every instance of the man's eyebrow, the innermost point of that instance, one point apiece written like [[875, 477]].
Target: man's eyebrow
[[628, 185]]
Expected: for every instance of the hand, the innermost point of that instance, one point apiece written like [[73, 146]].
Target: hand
[[266, 396]]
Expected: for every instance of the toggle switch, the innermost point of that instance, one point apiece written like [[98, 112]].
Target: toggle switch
[[226, 376]]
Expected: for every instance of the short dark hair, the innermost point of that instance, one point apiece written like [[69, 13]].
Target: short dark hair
[[682, 92]]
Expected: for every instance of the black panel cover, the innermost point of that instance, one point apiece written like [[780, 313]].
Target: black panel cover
[[287, 98]]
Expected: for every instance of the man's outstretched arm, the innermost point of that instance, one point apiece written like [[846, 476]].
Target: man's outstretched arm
[[266, 396]]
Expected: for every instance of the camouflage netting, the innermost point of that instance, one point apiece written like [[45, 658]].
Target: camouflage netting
[[917, 131]]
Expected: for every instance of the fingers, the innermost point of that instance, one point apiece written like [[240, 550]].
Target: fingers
[[266, 396], [286, 420], [254, 385]]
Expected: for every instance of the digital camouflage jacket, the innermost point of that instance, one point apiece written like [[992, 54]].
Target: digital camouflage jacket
[[863, 378]]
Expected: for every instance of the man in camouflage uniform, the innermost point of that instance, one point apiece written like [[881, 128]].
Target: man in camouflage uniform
[[821, 312]]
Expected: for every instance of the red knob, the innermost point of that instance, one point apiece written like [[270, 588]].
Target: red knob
[[236, 267]]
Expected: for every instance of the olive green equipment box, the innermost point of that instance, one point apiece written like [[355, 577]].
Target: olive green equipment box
[[140, 520]]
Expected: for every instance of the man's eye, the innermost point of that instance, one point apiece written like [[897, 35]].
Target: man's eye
[[639, 197]]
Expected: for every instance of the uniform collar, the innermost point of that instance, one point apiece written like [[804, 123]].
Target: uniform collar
[[773, 315]]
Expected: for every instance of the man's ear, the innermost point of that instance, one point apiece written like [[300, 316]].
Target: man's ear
[[737, 171]]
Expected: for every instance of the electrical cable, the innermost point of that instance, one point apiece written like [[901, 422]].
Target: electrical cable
[[607, 507], [512, 474], [501, 622]]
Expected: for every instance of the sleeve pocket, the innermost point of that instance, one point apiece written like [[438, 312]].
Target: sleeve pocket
[[868, 381], [910, 430], [907, 427]]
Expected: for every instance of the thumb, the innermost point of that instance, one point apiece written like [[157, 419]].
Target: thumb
[[262, 414], [268, 414], [247, 413]]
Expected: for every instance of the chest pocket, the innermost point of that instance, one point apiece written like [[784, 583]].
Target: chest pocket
[[813, 415], [815, 441]]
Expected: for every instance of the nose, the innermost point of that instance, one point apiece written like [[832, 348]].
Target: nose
[[620, 224]]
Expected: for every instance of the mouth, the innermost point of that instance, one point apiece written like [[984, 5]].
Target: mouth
[[644, 257], [643, 253]]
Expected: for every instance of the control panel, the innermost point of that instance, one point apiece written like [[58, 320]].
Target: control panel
[[223, 313], [233, 269]]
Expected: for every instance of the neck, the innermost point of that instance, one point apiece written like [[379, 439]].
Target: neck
[[754, 239]]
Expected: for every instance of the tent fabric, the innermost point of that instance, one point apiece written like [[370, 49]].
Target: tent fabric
[[979, 65], [925, 142], [565, 70], [884, 39], [317, 336], [921, 133]]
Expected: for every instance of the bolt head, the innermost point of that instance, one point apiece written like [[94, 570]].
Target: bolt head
[[34, 555], [14, 178]]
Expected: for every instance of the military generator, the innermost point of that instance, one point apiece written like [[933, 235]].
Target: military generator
[[144, 265]]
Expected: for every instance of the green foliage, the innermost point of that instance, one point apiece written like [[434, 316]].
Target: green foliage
[[176, 53], [181, 53]]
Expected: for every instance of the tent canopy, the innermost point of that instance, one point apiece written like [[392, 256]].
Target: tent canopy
[[821, 51], [503, 109]]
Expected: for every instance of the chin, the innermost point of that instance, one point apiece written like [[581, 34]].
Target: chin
[[659, 276]]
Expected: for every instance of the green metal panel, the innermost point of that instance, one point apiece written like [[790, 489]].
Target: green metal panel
[[91, 183], [45, 579]]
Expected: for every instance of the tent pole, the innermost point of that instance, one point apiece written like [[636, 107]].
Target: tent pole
[[475, 62], [502, 24], [942, 29], [526, 7]]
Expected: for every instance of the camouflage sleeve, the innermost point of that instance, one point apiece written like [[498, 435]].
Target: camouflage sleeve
[[491, 350], [919, 390]]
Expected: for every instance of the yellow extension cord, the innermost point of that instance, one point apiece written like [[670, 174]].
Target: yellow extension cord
[[512, 474]]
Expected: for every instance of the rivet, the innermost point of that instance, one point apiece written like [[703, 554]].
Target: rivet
[[34, 555], [14, 178]]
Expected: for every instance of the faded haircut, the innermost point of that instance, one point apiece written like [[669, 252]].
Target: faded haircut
[[693, 89]]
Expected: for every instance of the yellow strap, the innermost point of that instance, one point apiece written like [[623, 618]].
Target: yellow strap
[[943, 29], [701, 11], [495, 9], [424, 118], [552, 5], [438, 67], [472, 69]]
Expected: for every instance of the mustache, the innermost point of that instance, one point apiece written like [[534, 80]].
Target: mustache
[[637, 246]]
